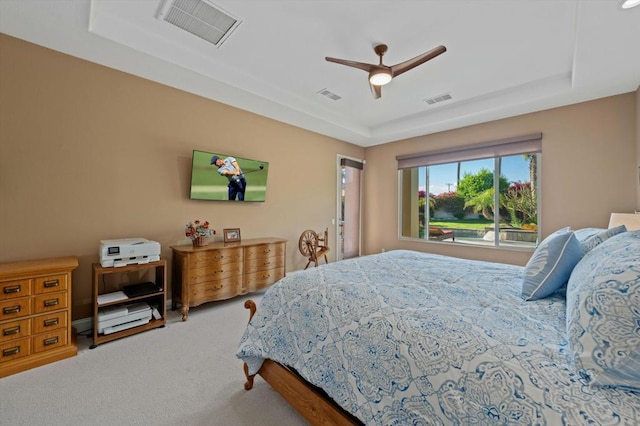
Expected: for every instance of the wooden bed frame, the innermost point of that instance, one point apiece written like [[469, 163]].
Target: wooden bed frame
[[308, 400]]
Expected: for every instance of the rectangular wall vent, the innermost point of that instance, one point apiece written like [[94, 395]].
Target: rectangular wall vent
[[437, 99], [200, 18], [329, 94]]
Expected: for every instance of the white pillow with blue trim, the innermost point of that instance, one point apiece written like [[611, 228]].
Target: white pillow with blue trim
[[603, 313], [583, 234], [551, 264], [596, 239]]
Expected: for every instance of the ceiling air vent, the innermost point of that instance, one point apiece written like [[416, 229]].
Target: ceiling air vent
[[437, 99], [200, 18], [329, 94]]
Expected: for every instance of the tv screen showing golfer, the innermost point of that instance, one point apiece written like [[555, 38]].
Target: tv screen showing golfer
[[222, 177]]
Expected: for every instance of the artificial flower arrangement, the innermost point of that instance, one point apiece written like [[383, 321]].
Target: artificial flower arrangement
[[197, 229]]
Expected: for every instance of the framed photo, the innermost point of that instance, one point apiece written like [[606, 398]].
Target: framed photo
[[231, 235]]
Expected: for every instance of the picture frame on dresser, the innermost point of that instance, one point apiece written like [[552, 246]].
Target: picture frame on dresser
[[231, 235]]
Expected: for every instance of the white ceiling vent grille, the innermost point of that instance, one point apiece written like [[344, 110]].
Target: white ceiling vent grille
[[437, 99], [200, 18], [329, 94]]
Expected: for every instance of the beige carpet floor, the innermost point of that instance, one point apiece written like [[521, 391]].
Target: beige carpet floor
[[183, 374]]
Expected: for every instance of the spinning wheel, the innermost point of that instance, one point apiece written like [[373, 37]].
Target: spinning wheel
[[307, 241], [313, 246]]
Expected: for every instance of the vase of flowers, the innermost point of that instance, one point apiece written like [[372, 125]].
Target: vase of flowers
[[199, 232]]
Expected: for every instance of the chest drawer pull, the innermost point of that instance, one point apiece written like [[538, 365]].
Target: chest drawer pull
[[51, 302], [50, 341], [10, 331], [12, 289], [11, 310], [50, 322], [11, 351], [51, 283]]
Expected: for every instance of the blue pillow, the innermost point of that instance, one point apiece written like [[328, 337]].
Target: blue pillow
[[603, 313], [591, 242], [551, 264]]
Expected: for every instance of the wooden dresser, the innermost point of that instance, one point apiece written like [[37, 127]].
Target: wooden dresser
[[221, 271], [35, 313]]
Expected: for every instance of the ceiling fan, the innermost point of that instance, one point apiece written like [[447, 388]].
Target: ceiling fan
[[381, 74]]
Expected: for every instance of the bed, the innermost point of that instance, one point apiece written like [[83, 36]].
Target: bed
[[407, 337]]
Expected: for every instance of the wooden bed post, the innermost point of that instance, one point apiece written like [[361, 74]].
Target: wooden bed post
[[251, 305]]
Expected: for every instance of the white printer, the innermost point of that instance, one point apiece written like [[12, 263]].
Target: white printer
[[128, 251], [123, 317]]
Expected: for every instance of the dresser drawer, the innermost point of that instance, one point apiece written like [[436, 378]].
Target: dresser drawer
[[45, 341], [225, 288], [49, 302], [45, 323], [263, 264], [50, 284], [15, 349], [14, 289], [213, 258], [259, 280], [15, 330], [203, 275], [263, 251], [15, 308]]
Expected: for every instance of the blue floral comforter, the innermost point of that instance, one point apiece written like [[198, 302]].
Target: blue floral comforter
[[413, 338]]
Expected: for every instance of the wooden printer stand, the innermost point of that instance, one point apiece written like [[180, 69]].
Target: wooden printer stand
[[111, 280]]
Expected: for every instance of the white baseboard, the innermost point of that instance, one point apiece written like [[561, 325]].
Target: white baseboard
[[85, 324]]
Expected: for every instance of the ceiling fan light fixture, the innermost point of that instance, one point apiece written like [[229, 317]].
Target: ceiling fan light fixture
[[628, 4], [380, 77]]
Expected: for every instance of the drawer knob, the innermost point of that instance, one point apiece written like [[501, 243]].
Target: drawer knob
[[50, 322], [12, 289], [51, 302], [11, 309], [11, 331], [50, 341], [51, 283], [11, 351]]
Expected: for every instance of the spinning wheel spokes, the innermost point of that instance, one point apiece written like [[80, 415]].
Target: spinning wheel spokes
[[307, 242]]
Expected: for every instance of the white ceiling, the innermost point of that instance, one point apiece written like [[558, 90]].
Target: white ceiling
[[504, 57]]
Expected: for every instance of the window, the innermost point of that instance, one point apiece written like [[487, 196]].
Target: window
[[484, 194]]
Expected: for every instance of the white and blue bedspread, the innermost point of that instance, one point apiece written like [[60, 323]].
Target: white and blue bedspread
[[413, 338]]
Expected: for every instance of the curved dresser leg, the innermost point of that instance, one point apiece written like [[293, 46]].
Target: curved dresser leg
[[185, 312]]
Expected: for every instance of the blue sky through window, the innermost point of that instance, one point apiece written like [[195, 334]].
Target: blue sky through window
[[443, 177]]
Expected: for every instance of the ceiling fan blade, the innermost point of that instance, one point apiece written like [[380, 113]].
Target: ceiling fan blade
[[376, 91], [418, 60], [359, 65]]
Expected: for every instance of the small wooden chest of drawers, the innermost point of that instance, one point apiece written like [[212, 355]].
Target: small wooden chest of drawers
[[35, 313], [221, 271]]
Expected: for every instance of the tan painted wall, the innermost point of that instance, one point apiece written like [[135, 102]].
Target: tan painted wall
[[588, 170], [90, 153]]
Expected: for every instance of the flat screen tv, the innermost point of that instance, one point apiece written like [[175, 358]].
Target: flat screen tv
[[221, 177]]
